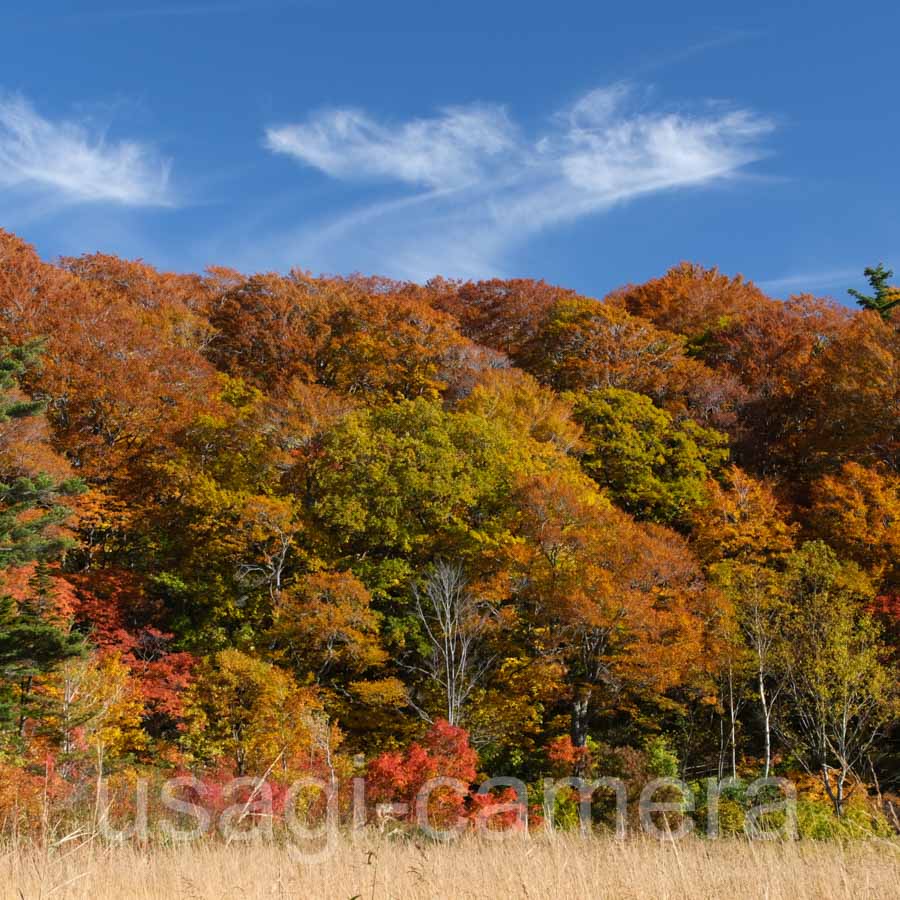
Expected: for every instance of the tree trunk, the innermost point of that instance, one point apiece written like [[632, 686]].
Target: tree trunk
[[767, 720], [732, 715], [835, 793], [580, 708], [720, 770], [24, 694]]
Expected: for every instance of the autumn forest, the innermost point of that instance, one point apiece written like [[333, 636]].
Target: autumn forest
[[282, 525]]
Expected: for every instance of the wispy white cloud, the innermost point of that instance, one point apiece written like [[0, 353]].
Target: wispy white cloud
[[452, 150], [815, 280], [486, 187], [68, 162]]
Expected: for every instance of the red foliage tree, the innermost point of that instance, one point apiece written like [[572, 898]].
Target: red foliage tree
[[398, 776], [112, 606]]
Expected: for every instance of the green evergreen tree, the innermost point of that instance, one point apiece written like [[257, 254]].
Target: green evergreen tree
[[33, 640], [24, 539], [27, 538], [885, 297], [14, 362]]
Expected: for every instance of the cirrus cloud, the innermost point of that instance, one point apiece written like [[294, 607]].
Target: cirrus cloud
[[484, 187], [451, 150], [67, 162]]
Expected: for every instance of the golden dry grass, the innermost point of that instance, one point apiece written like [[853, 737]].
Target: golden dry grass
[[372, 867]]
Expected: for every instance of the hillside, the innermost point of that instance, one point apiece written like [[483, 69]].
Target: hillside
[[291, 525]]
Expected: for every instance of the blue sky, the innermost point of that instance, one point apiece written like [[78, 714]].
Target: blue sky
[[589, 144]]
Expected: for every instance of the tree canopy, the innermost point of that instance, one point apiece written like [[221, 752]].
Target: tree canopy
[[280, 522]]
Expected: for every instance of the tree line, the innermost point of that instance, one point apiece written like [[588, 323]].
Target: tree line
[[270, 522]]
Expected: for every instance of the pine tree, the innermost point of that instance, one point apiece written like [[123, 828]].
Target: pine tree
[[885, 296], [14, 362], [24, 538], [33, 642], [33, 639]]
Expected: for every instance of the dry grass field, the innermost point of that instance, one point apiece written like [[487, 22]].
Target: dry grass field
[[375, 868]]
